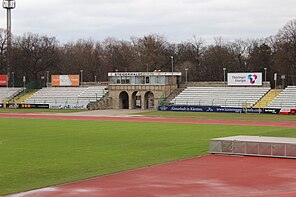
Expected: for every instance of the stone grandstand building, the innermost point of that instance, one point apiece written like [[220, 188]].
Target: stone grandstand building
[[142, 90]]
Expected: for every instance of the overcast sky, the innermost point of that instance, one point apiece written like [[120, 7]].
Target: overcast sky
[[177, 20]]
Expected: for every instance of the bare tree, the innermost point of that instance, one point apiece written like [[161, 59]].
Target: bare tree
[[33, 55], [3, 50], [154, 52], [189, 55], [286, 51], [261, 57], [215, 58], [238, 49]]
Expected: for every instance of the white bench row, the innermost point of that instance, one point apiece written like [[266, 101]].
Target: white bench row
[[220, 96], [64, 96], [8, 93], [286, 99]]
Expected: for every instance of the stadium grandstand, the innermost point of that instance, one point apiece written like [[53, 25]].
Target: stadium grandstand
[[286, 99], [67, 97], [8, 93], [154, 90], [220, 96]]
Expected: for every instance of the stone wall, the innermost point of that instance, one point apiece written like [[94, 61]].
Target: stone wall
[[157, 90]]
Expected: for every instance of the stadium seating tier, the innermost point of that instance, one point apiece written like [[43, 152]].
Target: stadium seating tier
[[286, 99], [220, 96], [8, 93], [67, 97]]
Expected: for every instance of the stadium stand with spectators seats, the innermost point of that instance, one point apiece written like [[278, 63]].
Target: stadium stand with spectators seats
[[9, 93], [67, 97], [220, 96], [286, 99]]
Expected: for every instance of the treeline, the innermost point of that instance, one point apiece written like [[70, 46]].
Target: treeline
[[32, 55]]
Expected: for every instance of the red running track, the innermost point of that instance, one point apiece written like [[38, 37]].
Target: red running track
[[219, 176], [287, 124]]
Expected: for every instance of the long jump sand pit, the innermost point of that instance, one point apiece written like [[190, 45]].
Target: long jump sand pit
[[211, 175]]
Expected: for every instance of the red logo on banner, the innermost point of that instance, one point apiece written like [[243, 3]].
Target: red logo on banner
[[3, 80]]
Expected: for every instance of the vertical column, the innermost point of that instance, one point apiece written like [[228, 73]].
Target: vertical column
[[131, 104], [8, 44], [155, 100], [143, 102], [8, 5], [116, 100]]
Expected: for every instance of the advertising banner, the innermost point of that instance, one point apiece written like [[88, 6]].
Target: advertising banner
[[3, 80], [65, 80], [28, 106], [288, 111], [216, 109], [244, 79], [67, 106]]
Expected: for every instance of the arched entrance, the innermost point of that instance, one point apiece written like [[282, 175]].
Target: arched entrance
[[123, 100], [149, 100], [136, 100]]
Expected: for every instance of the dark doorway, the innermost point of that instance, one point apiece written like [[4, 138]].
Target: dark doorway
[[149, 100], [123, 100]]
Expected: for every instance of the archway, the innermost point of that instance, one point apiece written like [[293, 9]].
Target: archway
[[149, 100], [136, 100], [123, 100]]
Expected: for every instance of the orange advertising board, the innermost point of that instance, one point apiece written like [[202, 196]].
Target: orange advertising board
[[65, 80], [55, 80]]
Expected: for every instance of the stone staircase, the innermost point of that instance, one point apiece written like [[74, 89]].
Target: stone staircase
[[266, 99], [21, 96], [172, 96], [104, 103]]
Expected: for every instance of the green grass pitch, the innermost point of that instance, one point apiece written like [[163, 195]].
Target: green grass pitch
[[38, 153]]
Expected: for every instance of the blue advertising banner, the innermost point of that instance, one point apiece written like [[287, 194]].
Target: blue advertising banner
[[215, 109], [1, 105]]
